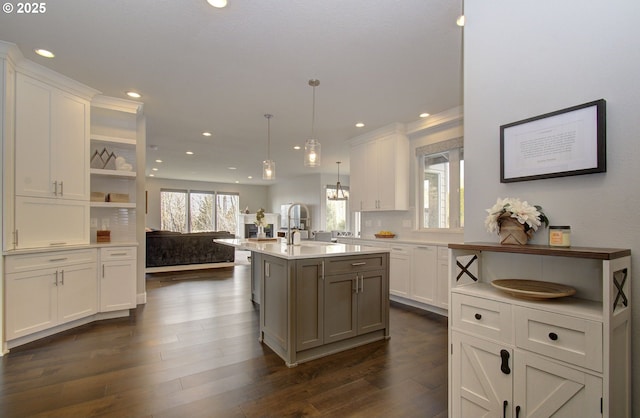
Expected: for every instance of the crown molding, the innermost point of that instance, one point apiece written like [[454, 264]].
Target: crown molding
[[114, 103], [434, 123]]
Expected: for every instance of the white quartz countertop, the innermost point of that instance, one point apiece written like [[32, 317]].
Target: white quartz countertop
[[306, 249]]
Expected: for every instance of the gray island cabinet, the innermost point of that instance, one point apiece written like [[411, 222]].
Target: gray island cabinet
[[319, 299]]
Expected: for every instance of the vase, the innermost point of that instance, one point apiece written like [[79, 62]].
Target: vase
[[261, 234], [512, 232]]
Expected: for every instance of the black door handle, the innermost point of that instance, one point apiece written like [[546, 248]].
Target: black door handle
[[518, 411], [477, 316], [553, 336], [504, 409], [505, 362]]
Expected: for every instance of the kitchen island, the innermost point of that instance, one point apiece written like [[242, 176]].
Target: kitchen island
[[318, 298]]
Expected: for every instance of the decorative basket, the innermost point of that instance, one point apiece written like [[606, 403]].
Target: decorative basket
[[385, 236], [512, 232]]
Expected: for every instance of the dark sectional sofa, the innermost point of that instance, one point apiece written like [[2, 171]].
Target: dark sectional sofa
[[166, 248]]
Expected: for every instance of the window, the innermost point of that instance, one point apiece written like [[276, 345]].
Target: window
[[201, 213], [173, 210], [195, 211], [227, 209], [337, 210], [442, 178]]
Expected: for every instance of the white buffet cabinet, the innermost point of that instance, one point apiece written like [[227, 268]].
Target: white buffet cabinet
[[418, 272], [517, 357]]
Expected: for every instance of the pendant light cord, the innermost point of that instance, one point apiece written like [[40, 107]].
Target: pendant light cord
[[268, 116], [313, 83], [313, 114]]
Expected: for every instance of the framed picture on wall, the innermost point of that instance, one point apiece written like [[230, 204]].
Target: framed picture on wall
[[566, 142]]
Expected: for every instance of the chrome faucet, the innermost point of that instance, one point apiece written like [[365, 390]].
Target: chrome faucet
[[289, 236]]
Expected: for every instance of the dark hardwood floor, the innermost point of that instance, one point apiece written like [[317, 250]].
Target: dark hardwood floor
[[193, 351]]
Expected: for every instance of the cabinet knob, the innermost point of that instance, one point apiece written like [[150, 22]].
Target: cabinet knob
[[477, 316], [553, 336]]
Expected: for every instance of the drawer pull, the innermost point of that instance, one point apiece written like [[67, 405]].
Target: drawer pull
[[477, 316], [57, 259], [553, 336], [505, 362], [114, 254], [362, 263]]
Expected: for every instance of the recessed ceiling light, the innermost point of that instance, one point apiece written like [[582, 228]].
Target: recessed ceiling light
[[237, 181], [152, 175], [460, 20], [232, 168], [359, 125], [44, 53], [134, 94], [296, 147], [250, 177], [218, 3], [424, 115], [158, 161], [154, 169], [189, 152], [206, 134]]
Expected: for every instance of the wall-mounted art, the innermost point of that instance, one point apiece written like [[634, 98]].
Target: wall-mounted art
[[566, 142]]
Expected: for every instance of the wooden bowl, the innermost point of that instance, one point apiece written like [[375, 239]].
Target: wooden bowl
[[385, 236]]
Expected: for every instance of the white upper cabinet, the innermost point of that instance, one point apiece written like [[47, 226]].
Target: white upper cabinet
[[379, 177], [52, 133]]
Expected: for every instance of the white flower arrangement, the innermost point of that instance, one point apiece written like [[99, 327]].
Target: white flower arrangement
[[260, 221], [530, 216]]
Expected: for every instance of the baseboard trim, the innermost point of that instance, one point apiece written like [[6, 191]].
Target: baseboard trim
[[63, 327], [419, 305], [187, 267]]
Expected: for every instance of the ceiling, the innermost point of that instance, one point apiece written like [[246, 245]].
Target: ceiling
[[220, 70]]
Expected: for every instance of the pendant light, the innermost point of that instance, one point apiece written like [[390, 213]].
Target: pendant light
[[268, 165], [311, 145], [339, 194]]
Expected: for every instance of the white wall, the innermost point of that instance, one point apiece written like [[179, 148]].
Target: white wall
[[307, 189], [255, 197], [2, 235], [524, 59]]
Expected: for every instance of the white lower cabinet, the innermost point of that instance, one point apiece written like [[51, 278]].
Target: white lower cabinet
[[424, 278], [117, 278], [49, 289], [442, 288], [400, 270], [417, 273]]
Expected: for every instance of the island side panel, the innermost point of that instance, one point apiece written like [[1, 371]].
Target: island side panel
[[256, 276], [274, 306]]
